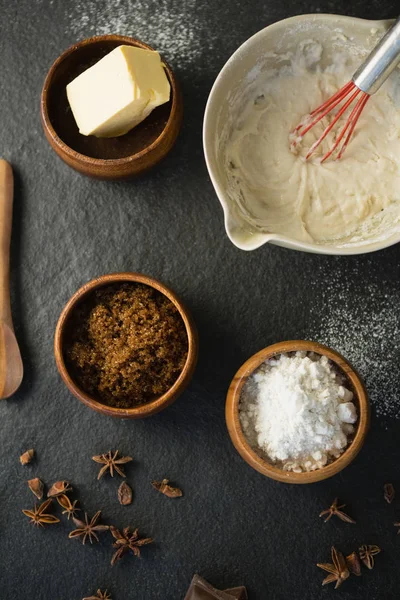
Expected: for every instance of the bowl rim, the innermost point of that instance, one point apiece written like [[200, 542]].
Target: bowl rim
[[242, 445], [259, 238], [148, 408], [84, 158]]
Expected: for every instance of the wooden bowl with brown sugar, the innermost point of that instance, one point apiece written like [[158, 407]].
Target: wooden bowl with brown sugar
[[106, 158], [112, 380], [260, 462]]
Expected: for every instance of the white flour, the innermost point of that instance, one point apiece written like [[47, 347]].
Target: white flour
[[362, 321], [297, 410], [170, 27]]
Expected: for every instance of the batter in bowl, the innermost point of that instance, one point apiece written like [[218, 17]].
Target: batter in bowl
[[277, 190]]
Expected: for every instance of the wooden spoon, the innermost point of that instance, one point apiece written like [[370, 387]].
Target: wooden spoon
[[11, 367]]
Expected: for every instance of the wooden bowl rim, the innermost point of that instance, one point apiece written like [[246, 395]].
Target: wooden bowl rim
[[175, 390], [243, 447], [83, 158]]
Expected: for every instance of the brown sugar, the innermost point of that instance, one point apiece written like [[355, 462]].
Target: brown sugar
[[127, 344]]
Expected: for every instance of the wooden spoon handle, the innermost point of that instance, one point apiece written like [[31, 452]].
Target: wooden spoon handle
[[6, 205]]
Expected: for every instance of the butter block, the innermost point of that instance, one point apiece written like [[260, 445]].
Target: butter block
[[118, 92]]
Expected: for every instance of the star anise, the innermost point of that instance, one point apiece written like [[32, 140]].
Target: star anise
[[338, 571], [367, 554], [167, 490], [111, 462], [87, 529], [70, 508], [127, 541], [99, 596], [59, 487], [38, 515], [334, 509]]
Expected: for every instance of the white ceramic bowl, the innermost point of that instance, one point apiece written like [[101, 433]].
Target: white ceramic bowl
[[230, 82]]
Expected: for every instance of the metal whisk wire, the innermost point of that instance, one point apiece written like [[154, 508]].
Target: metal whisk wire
[[365, 82]]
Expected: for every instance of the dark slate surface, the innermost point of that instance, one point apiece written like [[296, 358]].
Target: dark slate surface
[[233, 525]]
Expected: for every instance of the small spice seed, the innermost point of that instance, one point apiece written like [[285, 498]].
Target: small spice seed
[[27, 456], [36, 486], [167, 490], [124, 494], [388, 492], [334, 509]]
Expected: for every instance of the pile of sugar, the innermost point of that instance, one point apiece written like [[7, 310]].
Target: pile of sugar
[[361, 320], [297, 410]]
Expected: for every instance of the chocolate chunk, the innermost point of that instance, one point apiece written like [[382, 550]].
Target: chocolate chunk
[[240, 593], [200, 589]]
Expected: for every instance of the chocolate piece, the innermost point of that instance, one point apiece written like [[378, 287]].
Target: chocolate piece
[[240, 593], [200, 589]]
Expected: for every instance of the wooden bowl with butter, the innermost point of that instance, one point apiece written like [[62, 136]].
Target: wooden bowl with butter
[[259, 460], [109, 158]]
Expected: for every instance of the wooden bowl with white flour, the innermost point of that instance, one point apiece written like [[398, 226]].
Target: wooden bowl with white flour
[[297, 412]]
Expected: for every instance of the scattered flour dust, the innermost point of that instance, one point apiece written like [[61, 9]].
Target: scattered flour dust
[[169, 26], [362, 322]]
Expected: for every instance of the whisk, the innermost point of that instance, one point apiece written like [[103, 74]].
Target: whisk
[[366, 81]]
